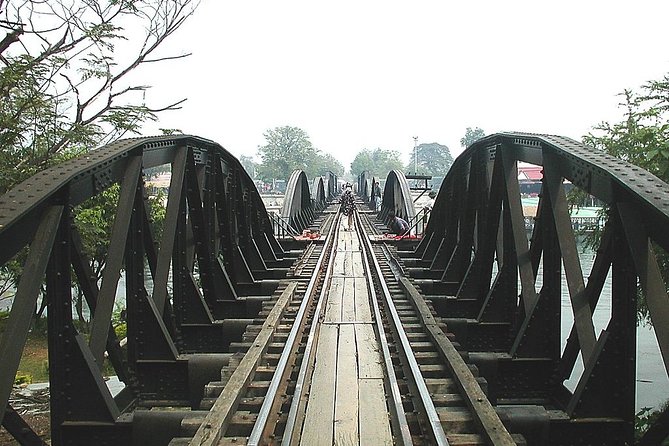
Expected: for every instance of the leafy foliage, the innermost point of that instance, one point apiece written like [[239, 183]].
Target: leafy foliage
[[325, 162], [119, 322], [249, 165], [432, 159], [23, 378], [640, 138], [644, 419], [289, 148], [378, 161], [94, 221], [65, 86], [471, 136]]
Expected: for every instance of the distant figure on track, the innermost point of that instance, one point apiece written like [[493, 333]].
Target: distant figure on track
[[430, 204], [397, 225], [348, 205]]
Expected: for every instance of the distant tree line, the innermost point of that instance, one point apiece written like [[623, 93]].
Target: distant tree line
[[286, 149], [378, 161]]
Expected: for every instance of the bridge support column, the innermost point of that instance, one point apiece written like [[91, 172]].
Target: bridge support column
[[82, 408]]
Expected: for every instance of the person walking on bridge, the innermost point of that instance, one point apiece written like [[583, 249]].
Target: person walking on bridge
[[348, 205]]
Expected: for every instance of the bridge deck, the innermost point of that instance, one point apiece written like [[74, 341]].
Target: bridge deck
[[347, 401]]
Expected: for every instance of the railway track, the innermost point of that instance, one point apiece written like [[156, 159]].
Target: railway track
[[346, 352]]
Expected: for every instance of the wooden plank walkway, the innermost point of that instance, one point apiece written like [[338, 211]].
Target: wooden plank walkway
[[347, 403]]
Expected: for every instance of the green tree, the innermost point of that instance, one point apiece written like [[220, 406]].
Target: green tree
[[94, 219], [64, 85], [432, 159], [66, 88], [471, 136], [325, 162], [249, 165], [378, 161], [288, 148], [640, 138]]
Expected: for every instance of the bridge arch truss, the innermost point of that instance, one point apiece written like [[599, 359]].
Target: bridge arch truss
[[187, 282], [477, 260], [396, 197], [298, 206]]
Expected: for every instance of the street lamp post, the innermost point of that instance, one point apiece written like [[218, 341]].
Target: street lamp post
[[415, 156]]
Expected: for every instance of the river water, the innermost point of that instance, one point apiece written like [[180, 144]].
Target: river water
[[652, 383]]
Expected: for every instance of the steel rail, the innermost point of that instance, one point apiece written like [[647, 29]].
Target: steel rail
[[296, 403], [217, 420], [401, 427], [477, 401], [436, 429], [492, 428], [263, 416]]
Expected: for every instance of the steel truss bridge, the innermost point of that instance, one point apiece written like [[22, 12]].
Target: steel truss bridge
[[241, 331]]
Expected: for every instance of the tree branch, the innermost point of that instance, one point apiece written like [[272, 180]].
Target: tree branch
[[162, 59], [10, 38]]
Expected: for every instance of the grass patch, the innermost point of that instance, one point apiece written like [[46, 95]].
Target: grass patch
[[35, 358], [34, 365]]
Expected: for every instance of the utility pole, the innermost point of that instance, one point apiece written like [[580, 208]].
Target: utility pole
[[415, 156]]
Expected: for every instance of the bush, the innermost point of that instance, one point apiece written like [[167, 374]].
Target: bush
[[23, 378], [644, 419], [121, 330]]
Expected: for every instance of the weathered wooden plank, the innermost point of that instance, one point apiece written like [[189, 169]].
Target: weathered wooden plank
[[339, 268], [374, 421], [319, 419], [345, 240], [333, 305], [363, 311], [348, 300], [357, 267], [355, 244], [348, 268], [341, 242], [369, 357], [346, 397]]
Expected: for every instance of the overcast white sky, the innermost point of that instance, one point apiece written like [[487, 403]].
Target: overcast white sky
[[366, 74]]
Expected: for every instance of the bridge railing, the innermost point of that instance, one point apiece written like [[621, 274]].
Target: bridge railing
[[281, 226], [476, 254], [418, 224]]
